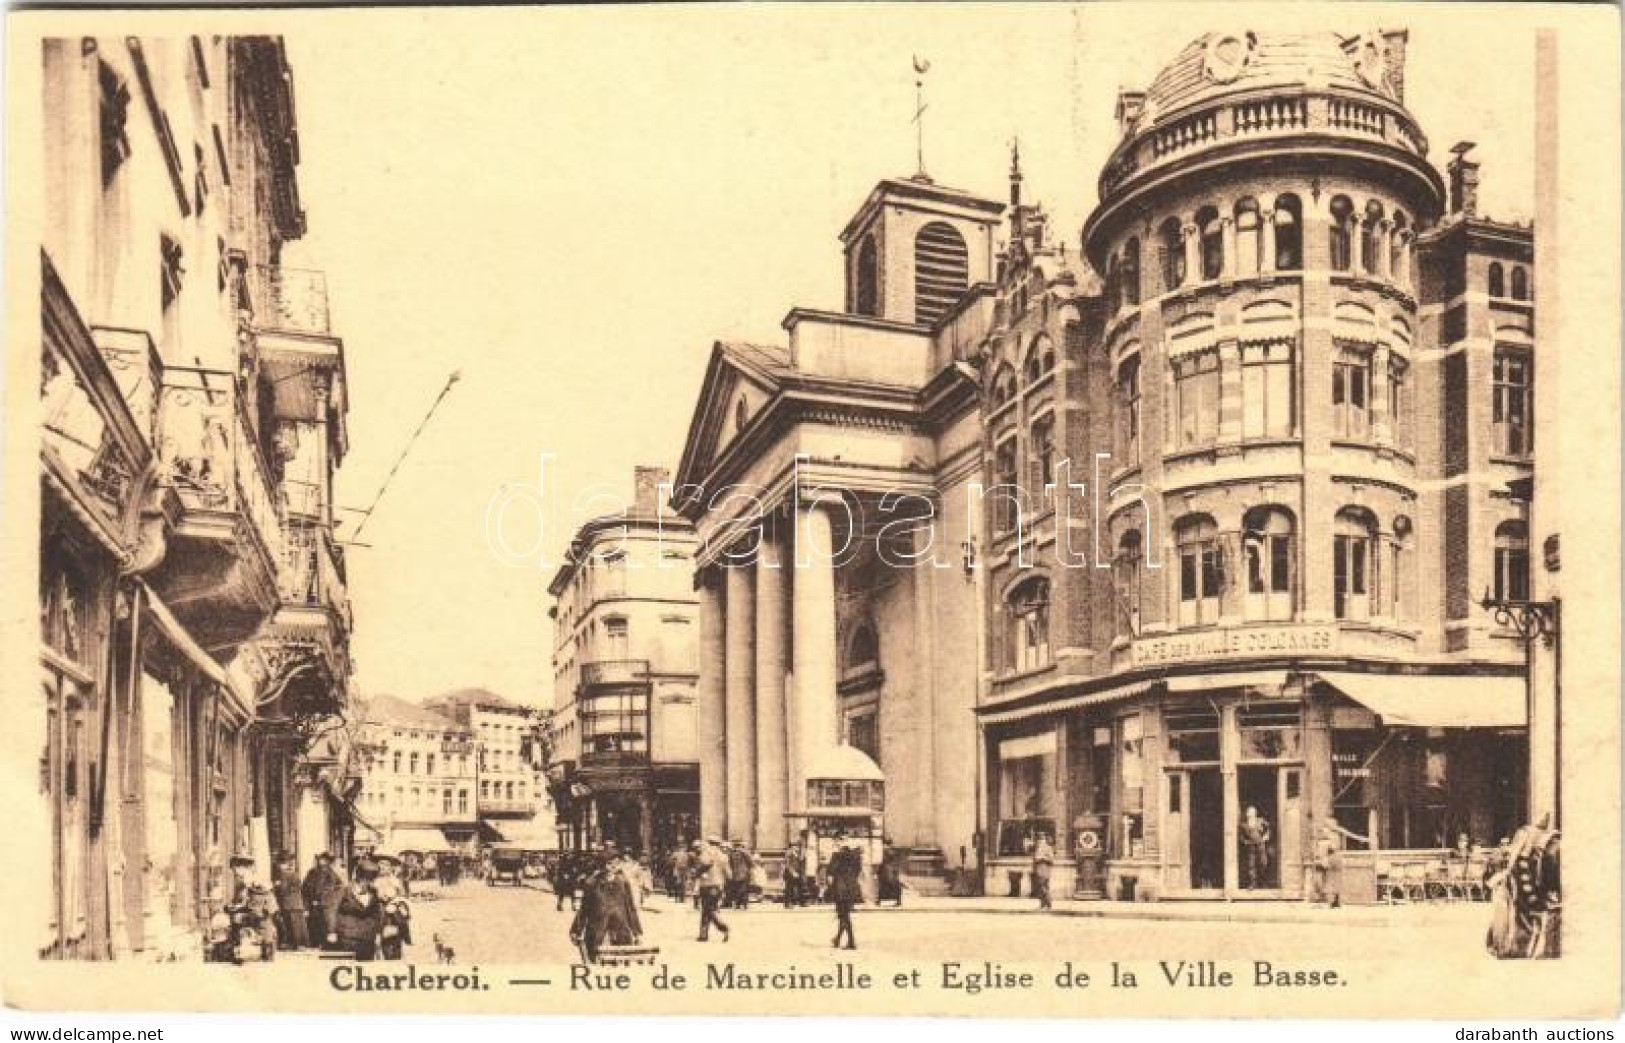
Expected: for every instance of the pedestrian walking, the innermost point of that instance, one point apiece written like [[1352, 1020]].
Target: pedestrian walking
[[740, 863], [679, 866], [392, 890], [294, 924], [1043, 868], [712, 870], [319, 884], [794, 864], [846, 889], [1254, 834], [890, 875], [355, 915]]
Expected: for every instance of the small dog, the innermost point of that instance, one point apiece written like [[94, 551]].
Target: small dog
[[443, 952]]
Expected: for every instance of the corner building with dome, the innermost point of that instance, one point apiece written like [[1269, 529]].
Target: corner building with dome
[[1310, 360]]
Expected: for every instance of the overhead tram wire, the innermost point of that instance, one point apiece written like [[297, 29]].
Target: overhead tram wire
[[366, 515]]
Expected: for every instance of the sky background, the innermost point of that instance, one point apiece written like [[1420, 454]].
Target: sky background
[[569, 206]]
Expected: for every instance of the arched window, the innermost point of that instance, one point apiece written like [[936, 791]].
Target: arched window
[[1128, 410], [1249, 236], [1029, 622], [1288, 233], [1498, 280], [1200, 571], [1003, 388], [1511, 561], [1371, 236], [1268, 550], [1171, 253], [866, 289], [941, 271], [1131, 270], [1342, 212], [1212, 233], [1004, 495], [1354, 563], [1520, 283], [1126, 578], [1040, 358], [862, 648]]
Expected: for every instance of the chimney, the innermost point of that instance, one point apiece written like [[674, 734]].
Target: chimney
[[1129, 106], [1463, 180], [646, 483]]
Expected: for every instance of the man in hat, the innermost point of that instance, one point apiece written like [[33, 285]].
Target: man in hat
[[713, 879], [320, 882], [355, 916], [292, 926], [739, 866], [846, 889]]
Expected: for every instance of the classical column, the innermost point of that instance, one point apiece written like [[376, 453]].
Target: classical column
[[813, 645], [770, 680], [1227, 238], [710, 732], [739, 681], [1266, 242], [1193, 253], [1384, 231]]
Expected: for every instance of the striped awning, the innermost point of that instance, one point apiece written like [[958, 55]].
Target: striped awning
[[1105, 695]]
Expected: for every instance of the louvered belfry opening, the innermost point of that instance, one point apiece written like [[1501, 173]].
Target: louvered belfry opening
[[941, 271]]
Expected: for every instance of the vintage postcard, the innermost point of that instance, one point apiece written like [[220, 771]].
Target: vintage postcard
[[1101, 510]]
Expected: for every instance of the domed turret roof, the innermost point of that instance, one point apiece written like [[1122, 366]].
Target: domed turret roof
[[1227, 62]]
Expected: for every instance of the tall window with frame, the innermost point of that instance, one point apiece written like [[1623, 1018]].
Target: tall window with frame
[[1497, 280], [1268, 549], [1249, 236], [1042, 445], [1341, 233], [1128, 410], [1211, 230], [1005, 496], [1201, 572], [1027, 792], [1513, 397], [1196, 389], [1353, 563], [1351, 391], [617, 637], [1512, 561], [1126, 581], [1288, 233], [1267, 406], [1171, 253], [1029, 621]]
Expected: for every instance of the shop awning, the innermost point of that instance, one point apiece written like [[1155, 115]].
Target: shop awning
[[409, 838], [1239, 679], [521, 833], [1436, 700], [1105, 695], [183, 643]]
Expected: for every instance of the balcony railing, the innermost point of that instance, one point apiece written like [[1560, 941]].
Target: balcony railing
[[496, 806], [615, 671], [293, 299], [208, 453], [310, 574]]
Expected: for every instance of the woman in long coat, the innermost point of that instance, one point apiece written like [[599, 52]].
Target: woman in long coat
[[846, 890]]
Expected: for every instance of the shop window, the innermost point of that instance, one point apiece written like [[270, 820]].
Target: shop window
[[1511, 561], [1128, 410], [1249, 236], [1200, 573], [1270, 733], [866, 295], [1498, 280], [1520, 283], [1354, 790], [1267, 389], [1027, 791], [1211, 229], [1268, 547], [1288, 233], [1042, 443], [1351, 392], [1196, 388], [1341, 233], [1512, 401], [1171, 253], [1371, 236], [1131, 271], [1126, 578], [1193, 736], [1353, 563], [1129, 837], [1030, 621]]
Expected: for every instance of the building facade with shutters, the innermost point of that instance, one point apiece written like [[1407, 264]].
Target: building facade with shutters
[[1300, 397], [623, 745], [417, 794], [195, 616]]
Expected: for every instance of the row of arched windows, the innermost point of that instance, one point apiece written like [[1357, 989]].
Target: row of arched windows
[[1037, 363], [1498, 281], [1380, 244]]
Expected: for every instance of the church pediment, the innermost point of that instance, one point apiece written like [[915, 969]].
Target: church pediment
[[740, 380]]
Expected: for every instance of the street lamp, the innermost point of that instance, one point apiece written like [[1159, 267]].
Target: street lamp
[[1532, 621]]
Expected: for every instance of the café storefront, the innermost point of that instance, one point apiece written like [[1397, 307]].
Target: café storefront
[[1144, 785]]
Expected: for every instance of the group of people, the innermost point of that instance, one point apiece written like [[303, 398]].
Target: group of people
[[366, 914]]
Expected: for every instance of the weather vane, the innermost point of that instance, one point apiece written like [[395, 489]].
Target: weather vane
[[921, 67]]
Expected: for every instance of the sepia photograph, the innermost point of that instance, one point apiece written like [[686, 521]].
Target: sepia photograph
[[1024, 510]]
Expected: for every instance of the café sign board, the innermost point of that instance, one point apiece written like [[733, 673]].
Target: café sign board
[[1245, 642]]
